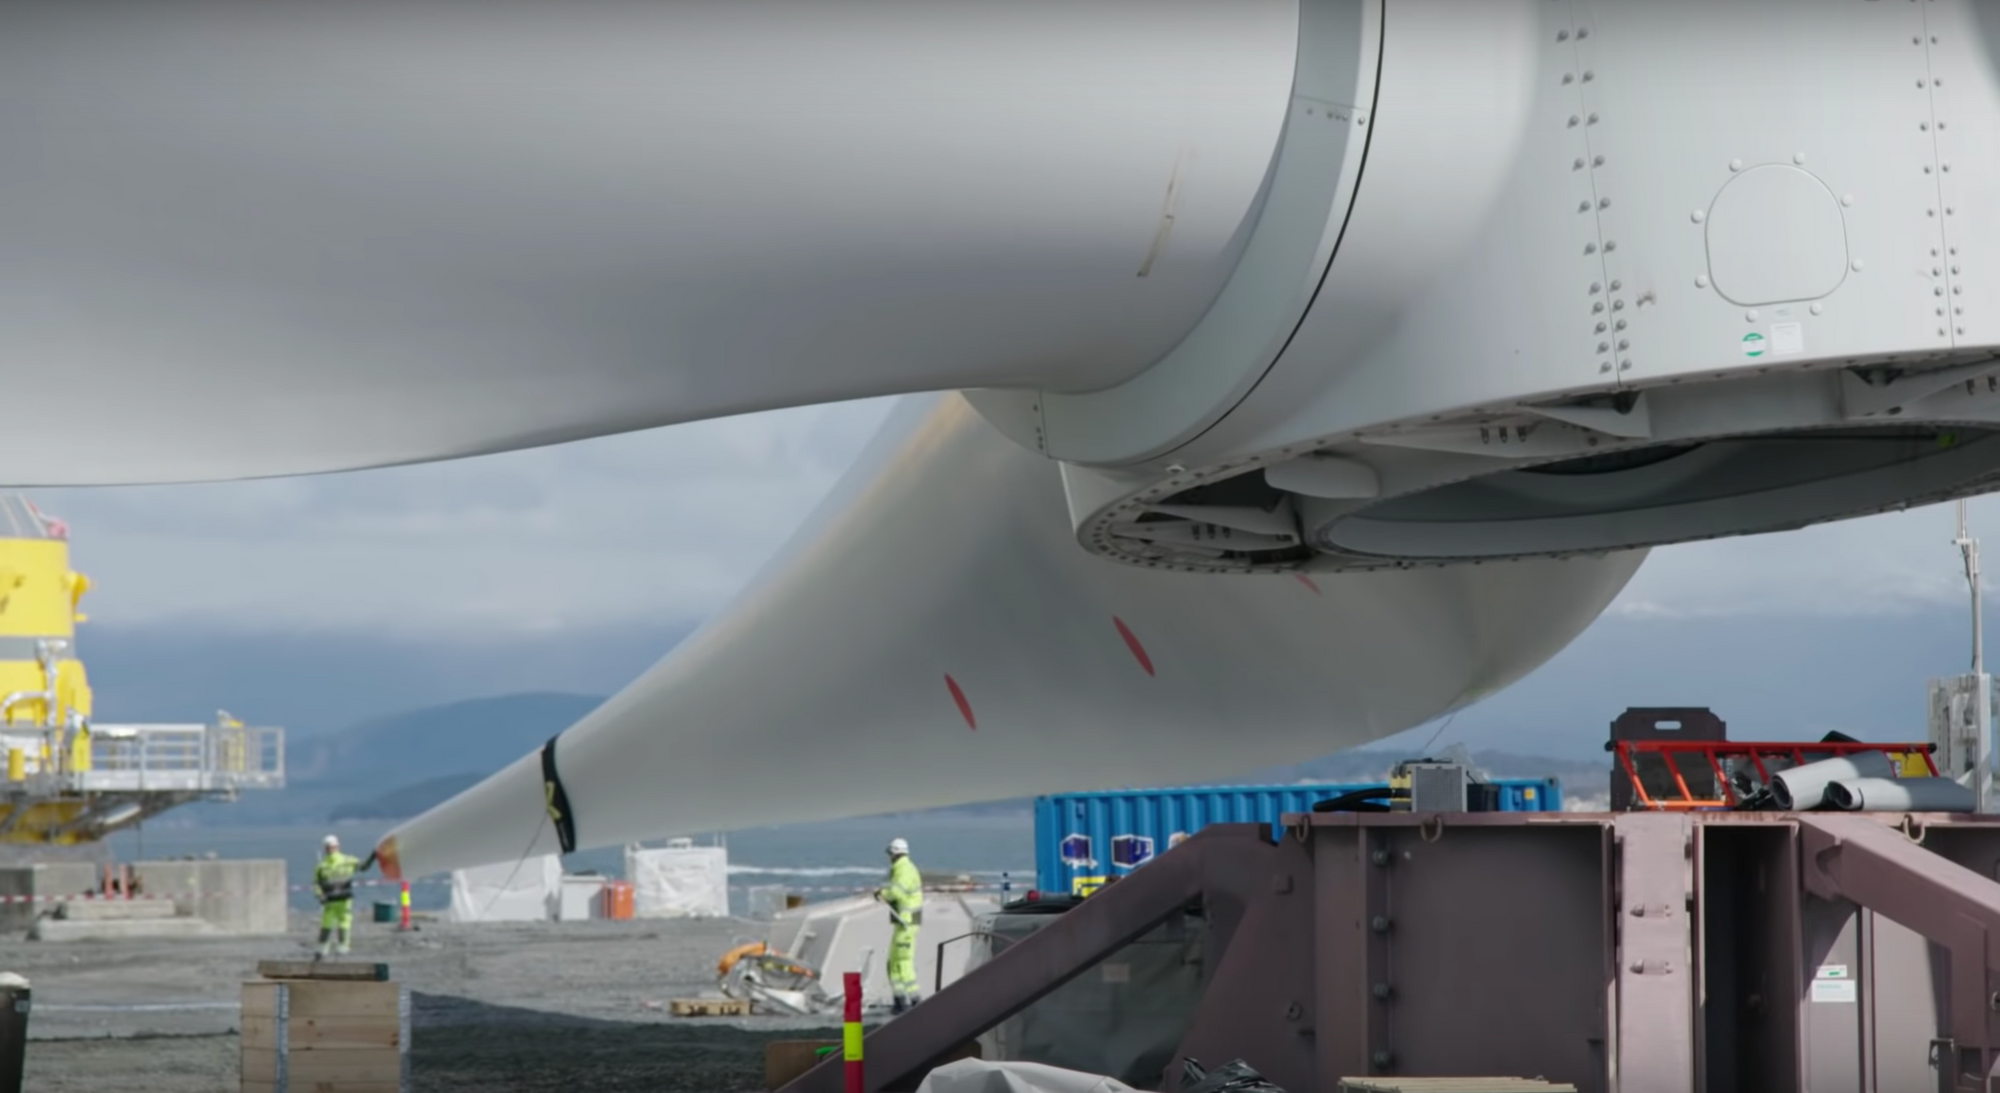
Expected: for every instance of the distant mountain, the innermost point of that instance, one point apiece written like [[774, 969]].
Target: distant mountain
[[401, 750], [311, 682], [401, 804]]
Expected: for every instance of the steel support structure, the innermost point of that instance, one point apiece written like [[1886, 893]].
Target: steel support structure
[[1624, 953]]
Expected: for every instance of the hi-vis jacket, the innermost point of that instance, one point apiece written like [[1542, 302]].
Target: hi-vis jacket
[[904, 893], [334, 877]]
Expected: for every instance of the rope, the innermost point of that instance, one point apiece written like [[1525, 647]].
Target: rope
[[1426, 749], [526, 852]]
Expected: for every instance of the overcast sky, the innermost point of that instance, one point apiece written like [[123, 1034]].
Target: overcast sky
[[666, 525]]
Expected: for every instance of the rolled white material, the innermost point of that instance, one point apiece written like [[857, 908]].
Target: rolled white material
[[1802, 789], [1900, 795]]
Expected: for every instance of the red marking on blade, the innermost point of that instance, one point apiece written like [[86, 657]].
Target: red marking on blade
[[964, 707], [1307, 581], [1132, 643]]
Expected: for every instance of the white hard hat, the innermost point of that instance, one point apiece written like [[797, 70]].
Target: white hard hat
[[898, 846], [330, 841]]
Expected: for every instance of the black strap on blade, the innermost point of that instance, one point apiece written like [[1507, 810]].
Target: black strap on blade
[[556, 800]]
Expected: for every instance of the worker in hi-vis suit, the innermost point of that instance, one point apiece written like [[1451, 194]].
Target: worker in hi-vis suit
[[904, 893], [333, 884]]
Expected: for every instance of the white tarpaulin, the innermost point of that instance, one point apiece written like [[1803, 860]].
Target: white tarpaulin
[[679, 881], [507, 892], [975, 1076]]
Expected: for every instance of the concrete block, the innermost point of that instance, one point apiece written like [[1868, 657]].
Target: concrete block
[[40, 881], [236, 896], [58, 929], [114, 910]]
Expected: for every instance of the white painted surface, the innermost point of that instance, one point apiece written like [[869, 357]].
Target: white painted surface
[[260, 240]]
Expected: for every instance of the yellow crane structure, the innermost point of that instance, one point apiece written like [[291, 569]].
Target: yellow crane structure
[[69, 779]]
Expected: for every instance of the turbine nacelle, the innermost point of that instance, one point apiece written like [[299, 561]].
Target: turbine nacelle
[[1599, 279]]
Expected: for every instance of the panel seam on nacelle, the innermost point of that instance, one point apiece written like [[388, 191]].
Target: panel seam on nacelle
[[1947, 291], [1314, 176], [1608, 331], [1372, 108]]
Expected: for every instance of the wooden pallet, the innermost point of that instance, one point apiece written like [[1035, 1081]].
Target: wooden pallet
[[709, 1007], [323, 969]]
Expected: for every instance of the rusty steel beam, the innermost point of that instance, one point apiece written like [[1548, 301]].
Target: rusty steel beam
[[1211, 866], [1259, 1000], [1656, 964], [1859, 859]]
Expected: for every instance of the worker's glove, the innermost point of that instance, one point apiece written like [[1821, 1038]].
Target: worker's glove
[[876, 895], [369, 864]]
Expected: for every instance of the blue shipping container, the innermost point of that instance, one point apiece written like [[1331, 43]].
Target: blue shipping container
[[1082, 838]]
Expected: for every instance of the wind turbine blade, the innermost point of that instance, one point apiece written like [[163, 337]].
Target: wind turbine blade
[[936, 636]]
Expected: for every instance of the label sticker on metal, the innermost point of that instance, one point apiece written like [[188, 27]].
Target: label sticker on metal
[[1831, 971], [1753, 344], [1787, 338], [1833, 990]]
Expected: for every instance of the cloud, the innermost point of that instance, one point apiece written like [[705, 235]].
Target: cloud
[[1892, 564], [664, 524]]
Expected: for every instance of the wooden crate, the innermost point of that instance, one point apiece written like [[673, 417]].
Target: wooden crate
[[327, 1035], [709, 1007], [785, 1060]]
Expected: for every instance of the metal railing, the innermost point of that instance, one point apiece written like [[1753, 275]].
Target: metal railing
[[187, 758]]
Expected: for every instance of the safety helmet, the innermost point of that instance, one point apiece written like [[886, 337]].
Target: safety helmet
[[331, 842], [898, 847]]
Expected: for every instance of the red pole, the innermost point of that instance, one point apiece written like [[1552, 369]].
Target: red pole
[[851, 1031], [406, 906]]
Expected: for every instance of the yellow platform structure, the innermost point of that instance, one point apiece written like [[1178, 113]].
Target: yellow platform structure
[[68, 779]]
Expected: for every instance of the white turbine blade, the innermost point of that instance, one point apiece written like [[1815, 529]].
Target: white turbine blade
[[945, 568], [304, 237]]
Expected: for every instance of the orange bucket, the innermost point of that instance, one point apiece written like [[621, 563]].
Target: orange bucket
[[618, 899]]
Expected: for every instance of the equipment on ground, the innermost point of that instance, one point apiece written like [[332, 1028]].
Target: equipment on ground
[[1679, 759], [15, 1004], [753, 973]]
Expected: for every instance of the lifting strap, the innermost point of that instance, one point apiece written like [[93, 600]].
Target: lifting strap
[[556, 800]]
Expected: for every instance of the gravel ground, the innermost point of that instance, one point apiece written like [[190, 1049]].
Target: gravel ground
[[556, 1006]]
